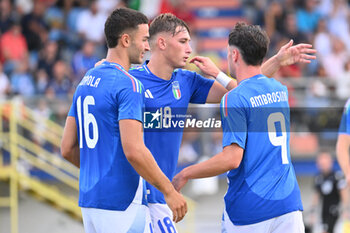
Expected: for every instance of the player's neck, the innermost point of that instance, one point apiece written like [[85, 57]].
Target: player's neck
[[160, 68], [247, 72], [117, 56]]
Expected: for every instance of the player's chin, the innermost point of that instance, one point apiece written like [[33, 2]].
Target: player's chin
[[182, 64]]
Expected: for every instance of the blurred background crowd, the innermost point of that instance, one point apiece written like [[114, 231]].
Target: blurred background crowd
[[46, 46]]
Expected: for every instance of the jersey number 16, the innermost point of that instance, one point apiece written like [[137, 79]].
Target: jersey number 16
[[88, 119]]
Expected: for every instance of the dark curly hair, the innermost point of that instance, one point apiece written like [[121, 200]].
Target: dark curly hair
[[252, 42]]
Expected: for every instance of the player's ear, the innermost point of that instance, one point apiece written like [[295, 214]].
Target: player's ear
[[161, 43], [235, 54], [125, 40]]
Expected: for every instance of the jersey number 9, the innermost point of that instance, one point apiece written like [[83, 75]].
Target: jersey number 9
[[278, 140]]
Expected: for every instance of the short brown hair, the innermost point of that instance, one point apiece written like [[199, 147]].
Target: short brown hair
[[166, 23], [120, 20]]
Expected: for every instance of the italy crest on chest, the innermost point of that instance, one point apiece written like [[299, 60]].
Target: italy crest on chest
[[176, 90]]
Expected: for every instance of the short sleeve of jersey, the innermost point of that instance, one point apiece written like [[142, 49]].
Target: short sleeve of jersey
[[234, 120], [72, 110], [344, 127], [130, 100], [200, 88]]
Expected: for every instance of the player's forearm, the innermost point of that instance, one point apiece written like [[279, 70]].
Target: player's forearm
[[145, 165], [214, 166], [73, 157], [270, 67]]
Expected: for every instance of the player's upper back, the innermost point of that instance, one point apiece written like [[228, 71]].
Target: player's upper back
[[260, 91]]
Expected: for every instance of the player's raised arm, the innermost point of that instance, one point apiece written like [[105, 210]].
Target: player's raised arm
[[69, 144], [288, 55], [143, 162]]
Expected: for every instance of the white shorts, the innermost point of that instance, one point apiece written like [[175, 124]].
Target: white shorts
[[162, 218], [135, 219], [291, 223]]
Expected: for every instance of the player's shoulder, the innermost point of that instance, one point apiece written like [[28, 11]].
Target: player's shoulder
[[235, 97]]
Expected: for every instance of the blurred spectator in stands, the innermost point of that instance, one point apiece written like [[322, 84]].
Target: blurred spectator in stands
[[324, 7], [90, 26], [343, 83], [254, 11], [274, 19], [322, 40], [107, 6], [338, 21], [72, 10], [42, 113], [308, 17], [190, 148], [48, 57], [41, 81], [60, 86], [7, 15], [55, 19], [151, 8], [83, 60], [181, 10], [22, 82], [330, 192], [13, 47], [290, 29], [334, 63], [321, 72], [34, 27], [24, 6], [5, 86]]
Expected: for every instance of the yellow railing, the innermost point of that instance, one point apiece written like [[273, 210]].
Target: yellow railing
[[21, 138], [22, 132]]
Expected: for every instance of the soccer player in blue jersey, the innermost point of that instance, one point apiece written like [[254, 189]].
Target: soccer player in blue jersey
[[103, 136], [263, 194], [169, 89], [343, 142]]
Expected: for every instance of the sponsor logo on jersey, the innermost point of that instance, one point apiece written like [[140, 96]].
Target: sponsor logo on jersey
[[148, 94]]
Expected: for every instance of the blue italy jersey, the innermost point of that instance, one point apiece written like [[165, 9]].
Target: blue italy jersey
[[166, 104], [344, 127], [106, 95], [255, 116]]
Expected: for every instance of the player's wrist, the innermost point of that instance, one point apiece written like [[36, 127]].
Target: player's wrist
[[223, 79], [168, 189]]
